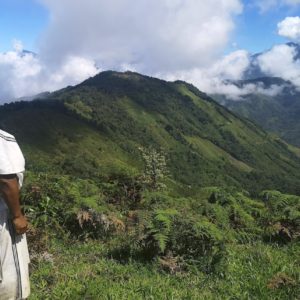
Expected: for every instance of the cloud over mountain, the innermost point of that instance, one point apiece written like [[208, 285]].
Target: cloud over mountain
[[24, 73], [170, 39], [150, 37]]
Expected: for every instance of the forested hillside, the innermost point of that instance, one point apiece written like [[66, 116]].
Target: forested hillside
[[114, 216], [278, 113], [107, 120]]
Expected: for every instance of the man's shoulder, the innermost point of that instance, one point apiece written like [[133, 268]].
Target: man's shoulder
[[7, 136]]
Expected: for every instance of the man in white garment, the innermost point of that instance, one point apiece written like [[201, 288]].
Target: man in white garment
[[14, 257]]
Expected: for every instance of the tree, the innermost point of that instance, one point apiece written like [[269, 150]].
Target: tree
[[156, 167]]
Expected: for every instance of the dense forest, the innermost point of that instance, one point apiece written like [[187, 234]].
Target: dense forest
[[278, 113], [137, 188], [108, 119]]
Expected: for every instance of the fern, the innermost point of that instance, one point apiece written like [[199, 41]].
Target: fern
[[283, 214], [160, 226]]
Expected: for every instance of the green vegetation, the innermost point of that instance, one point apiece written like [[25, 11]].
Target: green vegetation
[[118, 238], [277, 114], [105, 122], [137, 189]]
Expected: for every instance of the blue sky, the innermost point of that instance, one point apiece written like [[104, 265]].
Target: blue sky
[[256, 31], [22, 20], [25, 20], [189, 40]]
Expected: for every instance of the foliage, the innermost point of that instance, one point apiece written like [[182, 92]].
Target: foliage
[[282, 218], [121, 247], [276, 113], [100, 228], [155, 167], [102, 123]]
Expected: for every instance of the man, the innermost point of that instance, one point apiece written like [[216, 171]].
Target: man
[[14, 257]]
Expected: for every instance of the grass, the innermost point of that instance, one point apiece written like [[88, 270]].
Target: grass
[[83, 271], [61, 138], [218, 244], [207, 148]]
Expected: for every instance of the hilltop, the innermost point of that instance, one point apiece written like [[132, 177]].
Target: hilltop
[[106, 121]]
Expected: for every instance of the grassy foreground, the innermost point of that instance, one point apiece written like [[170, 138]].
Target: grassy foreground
[[83, 271], [127, 237]]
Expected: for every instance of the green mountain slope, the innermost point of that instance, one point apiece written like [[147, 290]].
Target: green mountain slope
[[278, 114], [107, 120]]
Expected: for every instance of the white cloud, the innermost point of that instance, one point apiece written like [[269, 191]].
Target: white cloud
[[150, 37], [280, 61], [213, 80], [153, 35], [290, 29], [77, 68], [291, 2], [25, 74], [266, 5], [18, 45], [171, 39]]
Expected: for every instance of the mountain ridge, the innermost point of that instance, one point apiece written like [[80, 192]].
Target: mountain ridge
[[102, 122]]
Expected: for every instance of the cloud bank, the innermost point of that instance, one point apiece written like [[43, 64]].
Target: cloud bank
[[283, 60], [151, 37], [24, 74], [280, 61], [169, 39]]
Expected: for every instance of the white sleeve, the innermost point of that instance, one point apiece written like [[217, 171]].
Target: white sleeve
[[11, 157]]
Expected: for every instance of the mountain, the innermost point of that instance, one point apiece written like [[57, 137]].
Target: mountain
[[254, 71], [278, 114], [24, 52], [105, 122], [43, 95]]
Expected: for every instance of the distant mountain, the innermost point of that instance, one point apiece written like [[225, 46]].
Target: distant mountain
[[278, 114], [43, 95], [105, 122], [254, 71], [24, 52]]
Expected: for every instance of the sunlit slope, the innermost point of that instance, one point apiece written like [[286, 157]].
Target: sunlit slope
[[122, 113], [54, 142]]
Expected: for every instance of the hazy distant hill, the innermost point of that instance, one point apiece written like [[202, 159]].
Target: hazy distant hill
[[24, 52], [105, 121], [254, 71], [278, 114], [43, 95]]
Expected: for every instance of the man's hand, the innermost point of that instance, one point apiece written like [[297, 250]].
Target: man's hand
[[9, 188], [21, 224]]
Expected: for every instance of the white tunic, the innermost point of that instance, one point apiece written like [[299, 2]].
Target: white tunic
[[14, 257], [11, 160]]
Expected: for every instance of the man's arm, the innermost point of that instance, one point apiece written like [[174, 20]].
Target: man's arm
[[10, 191]]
